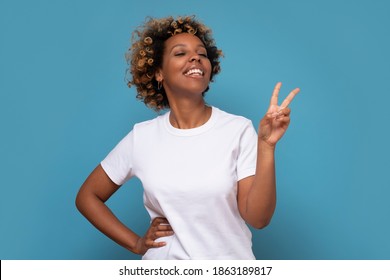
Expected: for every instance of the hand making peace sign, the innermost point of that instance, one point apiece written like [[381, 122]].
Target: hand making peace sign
[[275, 122]]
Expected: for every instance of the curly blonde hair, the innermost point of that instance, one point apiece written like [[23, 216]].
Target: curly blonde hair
[[145, 55]]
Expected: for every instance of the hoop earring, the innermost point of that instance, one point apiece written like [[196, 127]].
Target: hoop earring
[[159, 85]]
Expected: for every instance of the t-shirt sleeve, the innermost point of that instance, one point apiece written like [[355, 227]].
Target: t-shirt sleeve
[[118, 164], [247, 156]]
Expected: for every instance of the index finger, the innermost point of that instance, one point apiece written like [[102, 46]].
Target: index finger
[[289, 98], [159, 220], [275, 93]]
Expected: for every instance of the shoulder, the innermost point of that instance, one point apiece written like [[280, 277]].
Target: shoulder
[[231, 120], [149, 124]]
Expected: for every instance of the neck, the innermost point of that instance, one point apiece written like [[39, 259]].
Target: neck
[[188, 115]]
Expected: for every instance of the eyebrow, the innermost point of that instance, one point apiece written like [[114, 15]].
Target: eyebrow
[[184, 45]]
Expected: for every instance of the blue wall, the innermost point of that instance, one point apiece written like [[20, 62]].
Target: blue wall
[[64, 105]]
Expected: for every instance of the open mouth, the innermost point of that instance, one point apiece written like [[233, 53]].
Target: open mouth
[[194, 72]]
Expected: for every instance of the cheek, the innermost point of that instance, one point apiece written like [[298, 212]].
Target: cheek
[[171, 67], [209, 68]]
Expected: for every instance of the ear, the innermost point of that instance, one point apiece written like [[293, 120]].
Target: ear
[[158, 75]]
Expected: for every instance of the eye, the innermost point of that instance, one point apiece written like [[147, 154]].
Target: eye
[[203, 54], [180, 54]]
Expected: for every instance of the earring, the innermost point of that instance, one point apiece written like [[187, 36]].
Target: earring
[[159, 85]]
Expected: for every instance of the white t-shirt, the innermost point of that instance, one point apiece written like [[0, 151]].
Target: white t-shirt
[[190, 177]]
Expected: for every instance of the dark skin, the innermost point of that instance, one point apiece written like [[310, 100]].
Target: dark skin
[[256, 194], [90, 201]]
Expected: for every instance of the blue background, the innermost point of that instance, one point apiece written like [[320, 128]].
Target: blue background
[[64, 105]]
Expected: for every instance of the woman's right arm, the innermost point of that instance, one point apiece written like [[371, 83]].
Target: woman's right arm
[[90, 201]]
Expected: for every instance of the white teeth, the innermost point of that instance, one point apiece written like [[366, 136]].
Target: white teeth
[[194, 71]]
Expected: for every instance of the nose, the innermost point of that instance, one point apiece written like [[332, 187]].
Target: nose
[[195, 57]]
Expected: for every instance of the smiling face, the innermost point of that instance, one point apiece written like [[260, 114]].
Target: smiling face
[[185, 68]]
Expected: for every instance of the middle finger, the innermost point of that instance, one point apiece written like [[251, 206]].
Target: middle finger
[[164, 227], [289, 98]]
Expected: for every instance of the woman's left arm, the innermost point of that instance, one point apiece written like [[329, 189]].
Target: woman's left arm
[[257, 194]]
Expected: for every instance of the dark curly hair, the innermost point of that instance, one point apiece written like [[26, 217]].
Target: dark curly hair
[[145, 55]]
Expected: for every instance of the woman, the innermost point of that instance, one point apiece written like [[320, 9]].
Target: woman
[[205, 173]]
